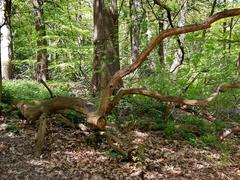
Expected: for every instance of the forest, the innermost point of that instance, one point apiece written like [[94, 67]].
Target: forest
[[119, 89]]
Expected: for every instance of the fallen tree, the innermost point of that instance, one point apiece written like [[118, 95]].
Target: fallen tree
[[95, 115]]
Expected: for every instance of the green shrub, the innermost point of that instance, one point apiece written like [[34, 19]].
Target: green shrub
[[209, 140], [74, 117]]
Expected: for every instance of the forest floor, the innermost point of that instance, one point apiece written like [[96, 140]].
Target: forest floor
[[68, 156]]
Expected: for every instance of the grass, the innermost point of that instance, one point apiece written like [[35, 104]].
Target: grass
[[29, 90]]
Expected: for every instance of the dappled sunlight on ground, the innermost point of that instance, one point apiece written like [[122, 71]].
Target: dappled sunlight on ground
[[68, 156]]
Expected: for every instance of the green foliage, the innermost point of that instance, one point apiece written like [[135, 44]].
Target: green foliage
[[13, 126], [9, 111], [28, 90], [68, 33], [111, 154], [198, 132], [7, 96], [167, 127], [138, 111], [146, 114], [74, 117]]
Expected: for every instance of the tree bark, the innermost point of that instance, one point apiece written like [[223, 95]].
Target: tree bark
[[6, 45], [161, 44], [179, 54], [41, 69], [1, 87], [106, 46], [135, 28]]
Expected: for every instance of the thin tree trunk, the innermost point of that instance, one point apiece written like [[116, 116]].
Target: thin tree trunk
[[106, 45], [179, 53], [0, 73], [135, 28], [2, 22], [42, 63], [224, 26], [211, 13], [6, 45], [161, 44], [230, 35]]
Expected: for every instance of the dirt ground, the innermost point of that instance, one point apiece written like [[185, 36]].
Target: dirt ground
[[68, 156]]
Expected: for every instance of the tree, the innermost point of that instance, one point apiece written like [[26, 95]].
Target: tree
[[41, 71], [106, 47], [6, 45], [1, 87], [135, 27], [179, 54], [96, 114]]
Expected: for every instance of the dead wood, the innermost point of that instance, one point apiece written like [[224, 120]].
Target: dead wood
[[229, 131], [32, 111], [42, 129]]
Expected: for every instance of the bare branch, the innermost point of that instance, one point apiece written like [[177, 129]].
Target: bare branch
[[46, 86], [173, 99]]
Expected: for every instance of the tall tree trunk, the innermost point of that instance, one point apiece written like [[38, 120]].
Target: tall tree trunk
[[135, 28], [224, 32], [230, 35], [6, 44], [179, 53], [161, 44], [1, 71], [106, 45], [41, 69]]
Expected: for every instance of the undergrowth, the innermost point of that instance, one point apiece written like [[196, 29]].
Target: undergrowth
[[29, 90], [147, 114]]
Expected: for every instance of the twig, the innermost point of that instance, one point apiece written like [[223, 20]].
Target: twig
[[46, 86]]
